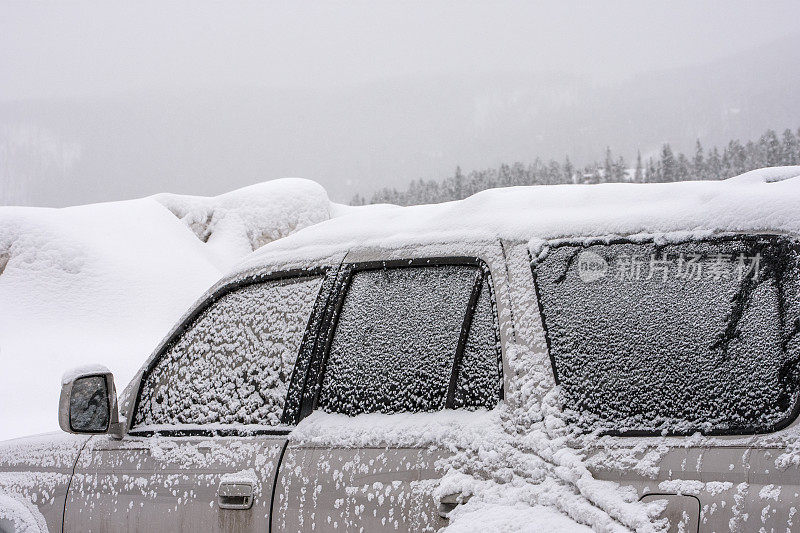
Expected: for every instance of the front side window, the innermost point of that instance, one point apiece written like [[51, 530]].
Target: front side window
[[234, 362], [403, 332], [479, 380], [676, 338]]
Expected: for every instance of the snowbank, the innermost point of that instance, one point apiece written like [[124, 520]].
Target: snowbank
[[103, 283], [236, 223], [767, 175]]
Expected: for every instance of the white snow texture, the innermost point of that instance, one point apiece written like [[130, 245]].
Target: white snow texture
[[103, 283]]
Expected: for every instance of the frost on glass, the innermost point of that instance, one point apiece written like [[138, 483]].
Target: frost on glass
[[701, 335], [88, 404], [480, 373], [396, 339], [233, 364]]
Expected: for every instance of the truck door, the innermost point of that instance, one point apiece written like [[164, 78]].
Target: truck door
[[684, 354], [406, 340], [207, 429]]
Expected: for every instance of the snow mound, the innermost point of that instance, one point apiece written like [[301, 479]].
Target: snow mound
[[103, 283], [767, 175], [236, 223]]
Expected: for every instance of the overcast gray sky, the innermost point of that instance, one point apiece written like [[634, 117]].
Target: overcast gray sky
[[110, 100], [99, 48]]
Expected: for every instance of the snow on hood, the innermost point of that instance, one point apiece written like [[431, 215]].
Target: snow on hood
[[103, 283]]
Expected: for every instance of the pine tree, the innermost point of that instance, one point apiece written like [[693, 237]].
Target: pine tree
[[699, 162], [667, 166], [504, 176], [638, 175], [713, 165], [537, 173], [683, 170], [458, 184], [618, 170], [797, 136], [608, 166], [651, 174], [790, 151], [753, 157], [596, 175], [733, 160], [553, 175], [770, 147], [568, 171]]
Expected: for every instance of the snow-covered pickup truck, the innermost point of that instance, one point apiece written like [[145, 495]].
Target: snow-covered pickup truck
[[619, 357]]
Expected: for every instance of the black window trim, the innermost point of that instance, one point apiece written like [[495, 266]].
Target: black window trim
[[343, 280], [580, 243], [309, 335], [472, 304], [299, 384]]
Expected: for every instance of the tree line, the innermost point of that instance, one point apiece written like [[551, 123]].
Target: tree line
[[771, 149]]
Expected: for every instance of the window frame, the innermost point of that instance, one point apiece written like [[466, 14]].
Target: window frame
[[339, 293], [309, 336], [585, 243]]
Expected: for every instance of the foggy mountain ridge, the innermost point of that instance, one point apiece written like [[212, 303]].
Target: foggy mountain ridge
[[359, 138]]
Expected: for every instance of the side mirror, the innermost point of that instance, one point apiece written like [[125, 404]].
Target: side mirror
[[88, 401]]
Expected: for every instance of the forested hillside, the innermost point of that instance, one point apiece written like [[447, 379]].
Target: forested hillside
[[770, 149], [360, 138]]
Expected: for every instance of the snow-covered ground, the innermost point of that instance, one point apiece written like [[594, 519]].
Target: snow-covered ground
[[103, 283]]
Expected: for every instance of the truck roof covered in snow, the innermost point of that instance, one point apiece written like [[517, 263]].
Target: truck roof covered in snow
[[761, 200]]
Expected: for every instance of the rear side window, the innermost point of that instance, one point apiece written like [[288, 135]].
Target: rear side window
[[234, 362], [675, 338], [414, 339]]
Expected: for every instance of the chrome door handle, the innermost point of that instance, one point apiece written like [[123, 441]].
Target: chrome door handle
[[235, 494]]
